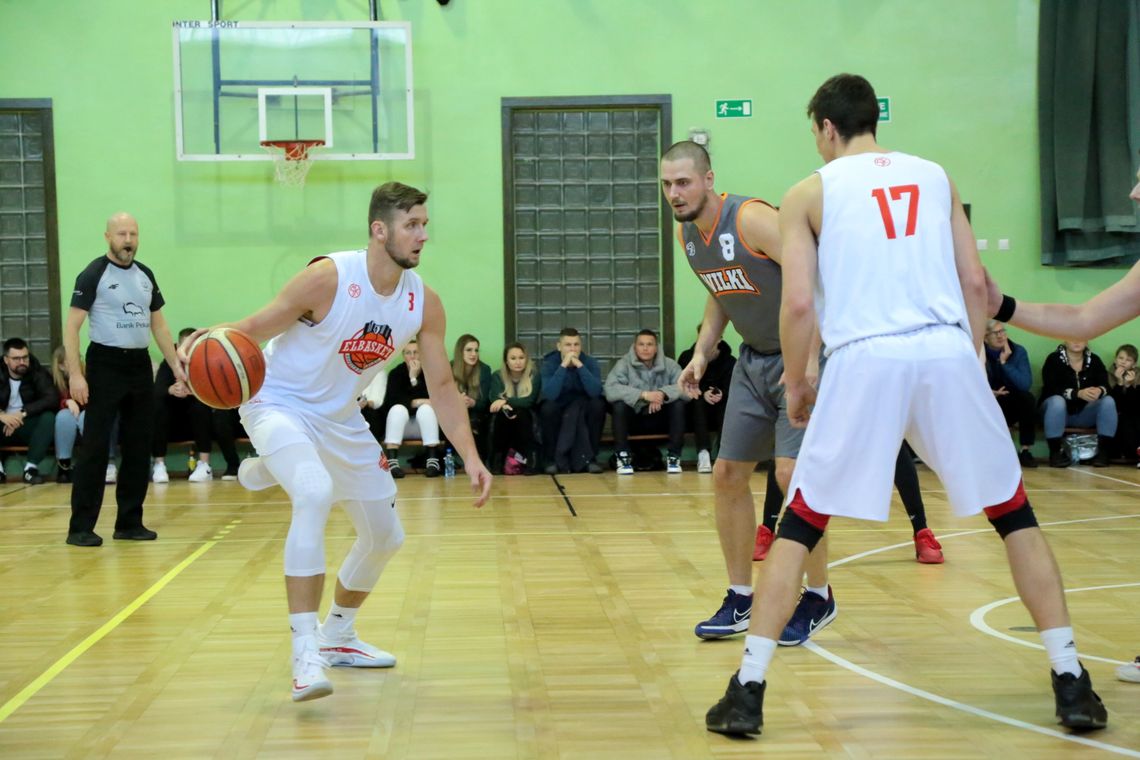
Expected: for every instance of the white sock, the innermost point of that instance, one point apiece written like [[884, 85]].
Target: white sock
[[339, 620], [302, 624], [1062, 650], [820, 591], [758, 653], [742, 590]]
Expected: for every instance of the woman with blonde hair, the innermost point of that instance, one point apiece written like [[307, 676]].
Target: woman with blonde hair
[[514, 391], [473, 378]]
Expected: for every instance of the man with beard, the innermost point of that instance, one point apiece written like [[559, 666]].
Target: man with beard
[[333, 327], [29, 400], [125, 304]]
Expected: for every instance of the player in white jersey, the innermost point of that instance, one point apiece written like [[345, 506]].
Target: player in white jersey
[[333, 327], [878, 244]]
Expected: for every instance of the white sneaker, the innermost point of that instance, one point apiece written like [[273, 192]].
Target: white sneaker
[[112, 474], [350, 652], [624, 463], [1129, 672], [254, 475], [309, 679], [202, 473], [159, 473], [672, 464], [704, 461]]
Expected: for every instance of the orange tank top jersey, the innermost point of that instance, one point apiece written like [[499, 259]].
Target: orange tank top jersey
[[323, 368]]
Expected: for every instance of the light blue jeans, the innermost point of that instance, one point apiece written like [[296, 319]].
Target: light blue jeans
[[68, 427], [1101, 413]]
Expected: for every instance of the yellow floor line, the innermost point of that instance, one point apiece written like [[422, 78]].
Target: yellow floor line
[[57, 667]]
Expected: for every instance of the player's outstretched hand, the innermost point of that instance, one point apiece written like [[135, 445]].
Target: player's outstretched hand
[[183, 349], [690, 379], [800, 398], [480, 482]]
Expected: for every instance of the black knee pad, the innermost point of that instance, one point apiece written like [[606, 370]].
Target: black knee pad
[[795, 528], [1018, 519]]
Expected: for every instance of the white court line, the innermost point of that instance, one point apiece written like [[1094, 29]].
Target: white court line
[[978, 620], [962, 707], [954, 704], [1106, 477]]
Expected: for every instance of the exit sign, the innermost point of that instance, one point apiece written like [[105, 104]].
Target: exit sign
[[734, 109], [884, 109]]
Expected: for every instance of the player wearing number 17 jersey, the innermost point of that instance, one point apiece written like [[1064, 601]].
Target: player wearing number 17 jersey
[[878, 244]]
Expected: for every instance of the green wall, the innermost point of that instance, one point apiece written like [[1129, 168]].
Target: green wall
[[222, 238]]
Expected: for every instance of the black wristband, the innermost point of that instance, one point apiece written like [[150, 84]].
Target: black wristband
[[1005, 311]]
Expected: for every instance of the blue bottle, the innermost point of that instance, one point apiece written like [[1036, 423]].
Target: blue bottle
[[449, 464]]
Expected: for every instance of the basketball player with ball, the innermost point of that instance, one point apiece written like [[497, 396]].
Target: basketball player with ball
[[330, 331]]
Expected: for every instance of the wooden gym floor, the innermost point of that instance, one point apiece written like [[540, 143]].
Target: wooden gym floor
[[549, 626]]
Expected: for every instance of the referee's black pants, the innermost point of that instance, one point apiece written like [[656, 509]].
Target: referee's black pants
[[120, 381]]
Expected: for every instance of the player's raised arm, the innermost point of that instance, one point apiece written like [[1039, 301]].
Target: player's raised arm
[[445, 401], [309, 295]]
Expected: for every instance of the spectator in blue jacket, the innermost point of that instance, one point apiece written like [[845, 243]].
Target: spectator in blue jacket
[[1007, 368], [573, 408]]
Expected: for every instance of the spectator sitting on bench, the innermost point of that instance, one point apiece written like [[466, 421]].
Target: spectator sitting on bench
[[1007, 369], [29, 400], [69, 422], [409, 413], [514, 390], [573, 408], [1124, 387], [706, 412], [645, 398], [1074, 393], [473, 379], [178, 415]]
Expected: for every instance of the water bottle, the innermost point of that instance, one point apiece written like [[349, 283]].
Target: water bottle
[[449, 464]]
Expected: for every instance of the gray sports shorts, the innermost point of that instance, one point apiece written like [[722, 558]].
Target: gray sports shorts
[[756, 426]]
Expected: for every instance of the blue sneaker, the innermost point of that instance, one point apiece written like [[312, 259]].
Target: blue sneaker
[[732, 617], [813, 612]]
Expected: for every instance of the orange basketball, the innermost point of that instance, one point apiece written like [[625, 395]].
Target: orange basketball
[[226, 368]]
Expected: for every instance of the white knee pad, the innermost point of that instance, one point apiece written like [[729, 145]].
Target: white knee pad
[[310, 488], [379, 535]]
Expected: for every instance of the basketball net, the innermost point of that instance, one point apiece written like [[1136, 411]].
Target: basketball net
[[291, 161]]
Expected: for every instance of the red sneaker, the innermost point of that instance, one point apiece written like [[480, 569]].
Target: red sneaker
[[764, 539], [927, 550]]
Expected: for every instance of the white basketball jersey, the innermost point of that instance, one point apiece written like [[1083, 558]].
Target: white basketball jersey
[[886, 251], [322, 368]]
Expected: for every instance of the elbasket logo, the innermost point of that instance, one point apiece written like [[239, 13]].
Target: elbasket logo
[[373, 344]]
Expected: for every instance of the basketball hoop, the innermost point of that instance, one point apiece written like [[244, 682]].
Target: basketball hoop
[[291, 165]]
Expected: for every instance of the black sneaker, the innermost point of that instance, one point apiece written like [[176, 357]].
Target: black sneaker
[[63, 475], [230, 473], [594, 468], [1078, 706], [395, 470], [32, 476], [1027, 459], [3, 477], [431, 469], [84, 538], [135, 534], [1059, 459], [740, 711]]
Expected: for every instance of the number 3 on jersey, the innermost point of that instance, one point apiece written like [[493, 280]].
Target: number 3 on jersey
[[411, 301], [897, 192]]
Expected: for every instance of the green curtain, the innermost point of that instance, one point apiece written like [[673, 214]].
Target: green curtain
[[1088, 109]]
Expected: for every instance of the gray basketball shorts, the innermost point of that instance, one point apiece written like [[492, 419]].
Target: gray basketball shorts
[[756, 426]]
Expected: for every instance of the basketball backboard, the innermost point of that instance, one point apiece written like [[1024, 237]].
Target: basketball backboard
[[238, 84]]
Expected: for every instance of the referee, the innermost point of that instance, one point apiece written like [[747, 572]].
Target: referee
[[125, 305]]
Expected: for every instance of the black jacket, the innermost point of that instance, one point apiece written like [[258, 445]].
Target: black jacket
[[718, 373], [37, 389], [1059, 379]]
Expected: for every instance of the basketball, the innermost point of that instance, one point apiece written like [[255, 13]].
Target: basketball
[[226, 368]]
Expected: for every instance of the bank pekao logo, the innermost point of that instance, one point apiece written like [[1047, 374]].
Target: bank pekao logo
[[371, 345]]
